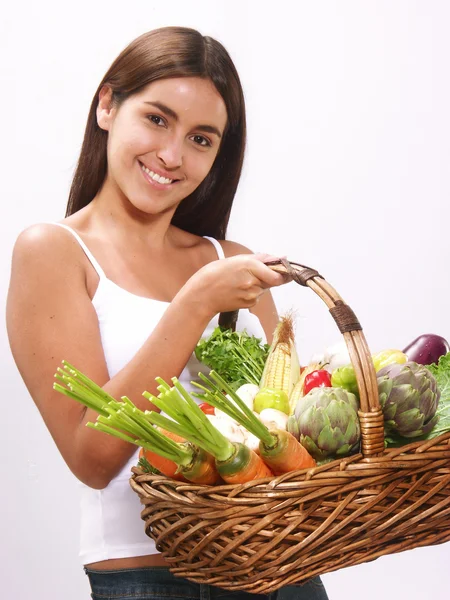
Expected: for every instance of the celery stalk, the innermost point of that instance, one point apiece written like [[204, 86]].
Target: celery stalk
[[187, 420]]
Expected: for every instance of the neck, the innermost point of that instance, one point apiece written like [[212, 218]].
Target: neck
[[113, 212]]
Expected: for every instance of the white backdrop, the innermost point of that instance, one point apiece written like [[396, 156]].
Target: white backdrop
[[346, 170]]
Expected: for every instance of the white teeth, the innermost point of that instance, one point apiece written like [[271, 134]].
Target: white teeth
[[156, 177]]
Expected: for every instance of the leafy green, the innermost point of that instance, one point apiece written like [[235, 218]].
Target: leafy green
[[147, 467], [235, 355], [441, 372]]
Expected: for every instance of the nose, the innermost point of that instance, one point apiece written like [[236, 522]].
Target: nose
[[171, 152]]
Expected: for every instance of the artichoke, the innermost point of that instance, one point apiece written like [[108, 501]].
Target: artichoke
[[326, 422], [409, 398]]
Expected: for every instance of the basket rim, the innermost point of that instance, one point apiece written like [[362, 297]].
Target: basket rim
[[356, 465]]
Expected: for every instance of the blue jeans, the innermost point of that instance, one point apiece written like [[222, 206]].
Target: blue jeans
[[157, 583]]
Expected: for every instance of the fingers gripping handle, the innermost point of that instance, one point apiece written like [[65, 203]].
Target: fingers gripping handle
[[343, 315], [298, 273]]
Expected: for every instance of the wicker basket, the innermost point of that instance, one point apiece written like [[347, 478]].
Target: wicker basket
[[265, 534]]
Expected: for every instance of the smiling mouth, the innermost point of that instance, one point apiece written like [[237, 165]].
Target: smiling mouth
[[158, 178]]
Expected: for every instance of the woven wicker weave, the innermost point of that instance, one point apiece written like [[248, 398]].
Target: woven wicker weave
[[262, 535]]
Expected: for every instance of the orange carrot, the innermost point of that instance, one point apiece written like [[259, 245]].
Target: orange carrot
[[203, 469], [164, 465], [287, 454], [242, 465], [171, 436], [245, 466], [200, 468]]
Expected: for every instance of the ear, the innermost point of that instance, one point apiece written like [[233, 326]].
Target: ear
[[105, 109]]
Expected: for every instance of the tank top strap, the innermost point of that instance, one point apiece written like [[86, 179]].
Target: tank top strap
[[86, 250], [217, 246]]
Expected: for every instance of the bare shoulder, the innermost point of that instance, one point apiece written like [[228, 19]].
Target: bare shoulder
[[233, 248], [41, 237], [44, 244], [46, 261]]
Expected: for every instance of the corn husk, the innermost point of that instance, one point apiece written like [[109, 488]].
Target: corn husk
[[282, 367]]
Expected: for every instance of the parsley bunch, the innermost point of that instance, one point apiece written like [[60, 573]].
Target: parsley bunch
[[235, 355]]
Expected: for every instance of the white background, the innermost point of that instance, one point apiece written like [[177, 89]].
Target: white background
[[346, 170]]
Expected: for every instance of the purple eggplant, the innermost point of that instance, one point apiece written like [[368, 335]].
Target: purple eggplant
[[427, 349]]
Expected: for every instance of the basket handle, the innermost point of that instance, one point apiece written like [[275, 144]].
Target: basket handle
[[370, 414]]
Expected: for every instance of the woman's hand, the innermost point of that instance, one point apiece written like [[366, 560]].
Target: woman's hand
[[231, 283]]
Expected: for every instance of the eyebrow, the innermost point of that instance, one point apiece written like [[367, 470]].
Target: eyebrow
[[171, 113]]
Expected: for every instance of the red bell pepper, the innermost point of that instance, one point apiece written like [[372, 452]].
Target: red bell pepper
[[319, 378]]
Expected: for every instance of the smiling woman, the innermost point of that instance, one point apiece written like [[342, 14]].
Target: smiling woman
[[172, 148], [126, 285], [159, 56]]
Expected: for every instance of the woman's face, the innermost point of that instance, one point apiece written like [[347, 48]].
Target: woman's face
[[163, 141]]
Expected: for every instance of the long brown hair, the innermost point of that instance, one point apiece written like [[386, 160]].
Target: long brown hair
[[159, 54]]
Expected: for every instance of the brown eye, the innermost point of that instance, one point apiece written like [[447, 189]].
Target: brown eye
[[156, 120], [201, 141]]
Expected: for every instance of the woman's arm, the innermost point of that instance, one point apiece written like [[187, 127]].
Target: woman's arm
[[50, 317]]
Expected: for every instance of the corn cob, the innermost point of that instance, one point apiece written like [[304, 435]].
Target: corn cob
[[282, 367], [297, 392]]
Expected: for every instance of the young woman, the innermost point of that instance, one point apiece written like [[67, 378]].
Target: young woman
[[132, 278]]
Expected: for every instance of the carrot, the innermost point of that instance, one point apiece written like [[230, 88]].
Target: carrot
[[171, 436], [245, 466], [164, 465], [126, 422], [287, 454], [203, 469], [235, 462], [278, 448]]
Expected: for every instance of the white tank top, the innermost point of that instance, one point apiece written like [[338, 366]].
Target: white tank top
[[111, 525]]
